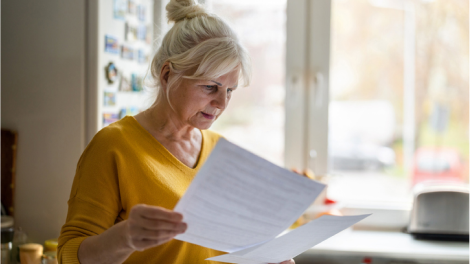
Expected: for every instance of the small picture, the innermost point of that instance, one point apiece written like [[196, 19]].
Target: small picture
[[148, 36], [127, 52], [125, 85], [130, 32], [111, 73], [111, 44], [129, 111], [109, 99], [136, 83], [120, 9], [131, 7], [141, 12], [142, 32], [109, 118]]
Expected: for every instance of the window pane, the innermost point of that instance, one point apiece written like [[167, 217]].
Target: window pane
[[255, 116], [373, 97]]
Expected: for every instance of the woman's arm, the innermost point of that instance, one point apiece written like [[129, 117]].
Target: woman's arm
[[107, 247], [147, 226]]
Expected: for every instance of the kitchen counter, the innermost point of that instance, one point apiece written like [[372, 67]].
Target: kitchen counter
[[352, 246]]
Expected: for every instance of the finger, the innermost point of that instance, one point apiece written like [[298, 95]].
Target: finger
[[309, 174], [296, 171], [152, 224], [141, 234], [155, 212]]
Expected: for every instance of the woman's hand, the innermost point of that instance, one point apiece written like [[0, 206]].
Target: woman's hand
[[290, 261], [307, 173], [150, 226]]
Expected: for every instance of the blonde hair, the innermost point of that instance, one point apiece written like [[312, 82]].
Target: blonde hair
[[198, 41]]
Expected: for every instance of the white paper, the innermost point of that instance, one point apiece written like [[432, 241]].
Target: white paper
[[239, 200], [293, 243]]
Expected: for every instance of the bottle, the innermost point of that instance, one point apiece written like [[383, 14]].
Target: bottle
[[19, 238], [7, 238]]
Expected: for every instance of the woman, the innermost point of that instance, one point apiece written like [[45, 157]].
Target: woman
[[135, 170]]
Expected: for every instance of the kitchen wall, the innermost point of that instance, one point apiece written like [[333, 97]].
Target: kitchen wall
[[43, 99]]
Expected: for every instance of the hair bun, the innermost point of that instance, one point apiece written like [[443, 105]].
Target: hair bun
[[180, 9]]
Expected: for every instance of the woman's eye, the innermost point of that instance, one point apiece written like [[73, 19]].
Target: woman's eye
[[210, 87], [229, 90]]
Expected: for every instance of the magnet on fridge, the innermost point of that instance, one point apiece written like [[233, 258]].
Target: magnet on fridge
[[141, 56], [125, 85], [136, 83], [111, 44], [130, 32], [131, 7], [111, 73], [141, 12], [142, 32], [127, 52], [109, 118], [120, 9], [109, 99]]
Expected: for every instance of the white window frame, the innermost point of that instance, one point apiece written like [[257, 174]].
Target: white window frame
[[307, 84]]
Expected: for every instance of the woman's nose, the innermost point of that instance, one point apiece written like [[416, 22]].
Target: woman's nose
[[220, 101]]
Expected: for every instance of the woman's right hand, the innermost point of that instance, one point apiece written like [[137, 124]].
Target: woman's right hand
[[149, 226]]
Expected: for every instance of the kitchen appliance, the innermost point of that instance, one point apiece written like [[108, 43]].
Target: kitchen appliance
[[440, 211]]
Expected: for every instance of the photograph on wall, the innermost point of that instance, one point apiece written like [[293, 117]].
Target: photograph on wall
[[120, 9], [111, 44]]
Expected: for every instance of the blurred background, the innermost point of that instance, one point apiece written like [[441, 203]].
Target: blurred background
[[372, 96]]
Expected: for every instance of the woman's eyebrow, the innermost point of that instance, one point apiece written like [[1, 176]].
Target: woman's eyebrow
[[219, 84]]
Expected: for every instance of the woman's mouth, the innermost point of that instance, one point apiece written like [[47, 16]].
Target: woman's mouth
[[208, 116]]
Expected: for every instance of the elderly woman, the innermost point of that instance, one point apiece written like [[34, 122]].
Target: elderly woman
[[134, 171]]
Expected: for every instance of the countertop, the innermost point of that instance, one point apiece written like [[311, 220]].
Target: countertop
[[392, 245]]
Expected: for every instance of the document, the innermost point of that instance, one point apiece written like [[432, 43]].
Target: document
[[239, 203], [293, 243], [239, 200]]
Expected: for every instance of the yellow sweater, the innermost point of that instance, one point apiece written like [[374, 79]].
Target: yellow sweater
[[124, 165]]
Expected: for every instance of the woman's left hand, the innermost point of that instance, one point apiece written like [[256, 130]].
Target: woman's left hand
[[290, 261]]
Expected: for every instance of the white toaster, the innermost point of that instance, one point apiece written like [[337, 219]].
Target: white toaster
[[440, 211]]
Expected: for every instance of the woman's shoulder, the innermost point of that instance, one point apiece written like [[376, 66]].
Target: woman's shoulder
[[211, 136], [115, 132]]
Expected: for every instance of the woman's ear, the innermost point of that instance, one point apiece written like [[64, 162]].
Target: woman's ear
[[164, 75]]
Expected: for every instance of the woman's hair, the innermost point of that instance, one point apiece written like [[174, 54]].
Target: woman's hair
[[200, 44]]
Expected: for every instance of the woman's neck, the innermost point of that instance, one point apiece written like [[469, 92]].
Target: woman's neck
[[162, 122]]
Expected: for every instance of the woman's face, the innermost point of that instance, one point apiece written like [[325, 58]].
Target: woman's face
[[199, 103]]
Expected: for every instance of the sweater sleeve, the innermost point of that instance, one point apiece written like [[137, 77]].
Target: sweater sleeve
[[94, 202]]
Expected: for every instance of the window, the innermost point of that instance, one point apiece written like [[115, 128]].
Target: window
[[254, 118], [392, 96], [373, 93]]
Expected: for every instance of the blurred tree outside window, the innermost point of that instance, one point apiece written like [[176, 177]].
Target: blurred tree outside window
[[367, 116]]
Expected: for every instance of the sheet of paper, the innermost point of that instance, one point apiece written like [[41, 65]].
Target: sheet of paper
[[238, 200], [293, 243]]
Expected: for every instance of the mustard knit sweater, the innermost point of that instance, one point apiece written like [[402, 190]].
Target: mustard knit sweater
[[124, 165]]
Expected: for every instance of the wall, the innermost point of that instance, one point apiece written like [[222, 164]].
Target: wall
[[43, 81]]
